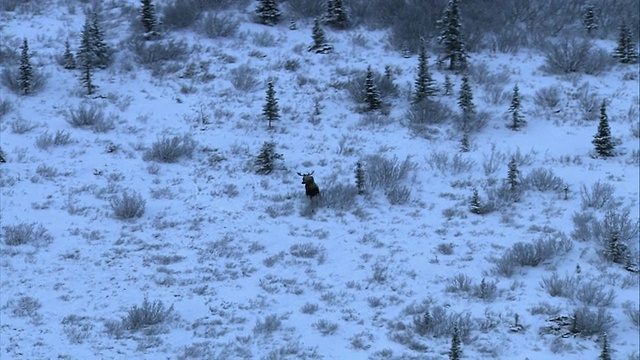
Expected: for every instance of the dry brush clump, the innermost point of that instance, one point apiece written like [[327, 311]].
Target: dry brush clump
[[128, 205], [26, 233], [531, 254]]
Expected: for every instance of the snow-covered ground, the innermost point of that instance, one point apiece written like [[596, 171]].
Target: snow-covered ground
[[240, 265]]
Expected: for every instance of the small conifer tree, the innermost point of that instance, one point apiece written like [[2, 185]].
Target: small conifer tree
[[605, 354], [465, 99], [517, 120], [372, 95], [68, 59], [268, 12], [448, 85], [25, 76], [320, 45], [451, 37], [456, 352], [3, 158], [512, 175], [93, 47], [464, 142], [474, 203], [589, 19], [271, 110], [360, 178], [266, 160], [625, 51], [424, 83], [602, 139], [148, 17]]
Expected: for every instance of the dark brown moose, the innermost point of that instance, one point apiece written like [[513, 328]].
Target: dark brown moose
[[310, 185]]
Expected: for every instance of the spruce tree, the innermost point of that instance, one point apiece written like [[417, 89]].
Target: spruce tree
[[602, 139], [456, 352], [474, 203], [270, 110], [464, 142], [424, 84], [605, 354], [320, 45], [268, 12], [25, 76], [513, 174], [451, 37], [148, 17], [3, 158], [625, 51], [517, 120], [372, 95], [266, 161], [68, 60], [336, 15], [360, 178], [93, 47], [448, 85], [589, 19], [465, 99]]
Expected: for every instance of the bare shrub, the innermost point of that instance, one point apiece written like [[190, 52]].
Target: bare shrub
[[325, 327], [592, 293], [494, 161], [440, 160], [180, 14], [268, 326], [437, 322], [548, 97], [567, 56], [633, 312], [128, 205], [21, 126], [588, 101], [265, 39], [214, 25], [304, 9], [398, 194], [46, 171], [338, 197], [24, 233], [599, 196], [243, 78], [557, 286], [153, 55], [542, 179], [170, 149], [587, 322], [24, 306], [5, 107], [381, 172], [307, 250], [149, 314], [309, 308], [531, 254], [460, 283], [60, 138], [487, 291], [85, 115], [616, 235], [421, 116]]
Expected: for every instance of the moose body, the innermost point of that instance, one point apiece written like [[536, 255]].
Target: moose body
[[310, 186]]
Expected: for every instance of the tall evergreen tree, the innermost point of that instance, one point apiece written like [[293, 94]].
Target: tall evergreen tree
[[271, 110], [372, 95], [320, 45], [517, 120], [93, 47], [625, 51], [589, 19], [268, 12], [602, 139], [605, 354], [148, 17], [336, 14], [451, 37], [513, 174], [424, 84], [68, 60], [456, 352], [360, 178], [25, 76]]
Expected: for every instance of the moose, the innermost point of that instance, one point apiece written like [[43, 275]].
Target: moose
[[310, 186]]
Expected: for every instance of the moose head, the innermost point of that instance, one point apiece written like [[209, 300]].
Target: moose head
[[310, 186]]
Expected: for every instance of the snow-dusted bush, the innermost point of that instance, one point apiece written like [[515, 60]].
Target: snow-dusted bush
[[531, 254], [572, 55], [180, 14], [457, 164], [85, 115], [541, 179], [398, 194], [548, 97], [170, 149], [593, 293], [460, 283], [5, 107], [325, 327], [153, 55], [587, 322], [633, 312], [243, 78], [357, 90], [421, 116], [486, 290], [599, 196], [214, 25], [307, 250], [437, 322], [338, 197], [60, 138], [24, 233], [268, 326], [24, 306], [381, 172], [148, 314], [128, 205], [557, 286], [21, 126]]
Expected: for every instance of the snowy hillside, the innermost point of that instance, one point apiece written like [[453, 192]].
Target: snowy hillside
[[136, 223]]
